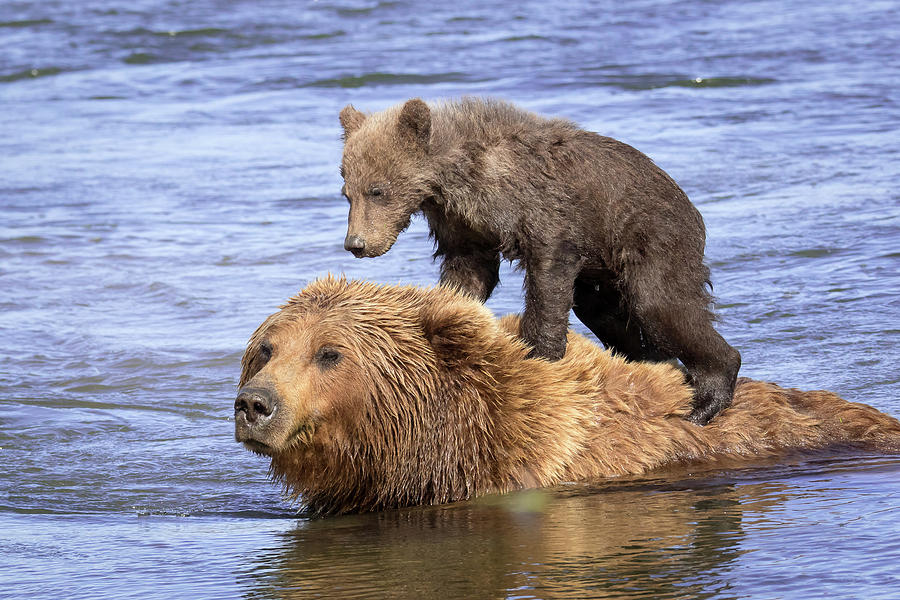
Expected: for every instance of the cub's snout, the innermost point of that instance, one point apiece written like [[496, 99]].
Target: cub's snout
[[355, 244]]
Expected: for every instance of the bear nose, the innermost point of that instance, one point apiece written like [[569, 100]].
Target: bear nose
[[254, 403], [354, 243]]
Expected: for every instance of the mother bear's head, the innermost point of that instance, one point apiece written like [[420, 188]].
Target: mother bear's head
[[348, 383]]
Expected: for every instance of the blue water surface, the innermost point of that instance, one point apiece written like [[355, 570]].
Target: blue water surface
[[169, 175]]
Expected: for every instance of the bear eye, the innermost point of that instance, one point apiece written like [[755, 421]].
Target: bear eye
[[327, 357], [265, 352], [375, 191], [259, 358]]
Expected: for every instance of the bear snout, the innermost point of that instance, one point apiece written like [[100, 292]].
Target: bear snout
[[254, 408], [355, 244], [254, 403]]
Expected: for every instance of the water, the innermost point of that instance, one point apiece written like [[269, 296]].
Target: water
[[169, 175]]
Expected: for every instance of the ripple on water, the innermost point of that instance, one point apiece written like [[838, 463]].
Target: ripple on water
[[388, 79], [613, 76], [360, 11], [26, 23], [33, 73]]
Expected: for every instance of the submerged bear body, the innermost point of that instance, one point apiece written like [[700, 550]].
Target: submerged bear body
[[369, 397], [596, 226]]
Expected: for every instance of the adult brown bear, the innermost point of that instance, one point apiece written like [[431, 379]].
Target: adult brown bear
[[596, 225], [369, 397]]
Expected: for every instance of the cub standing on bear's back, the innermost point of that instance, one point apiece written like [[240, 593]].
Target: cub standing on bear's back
[[597, 226]]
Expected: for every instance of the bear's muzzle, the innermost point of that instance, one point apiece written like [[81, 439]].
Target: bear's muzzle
[[254, 408], [355, 244]]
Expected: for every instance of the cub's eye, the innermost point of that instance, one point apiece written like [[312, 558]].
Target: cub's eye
[[327, 357], [375, 191]]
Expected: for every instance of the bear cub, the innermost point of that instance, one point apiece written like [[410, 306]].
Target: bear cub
[[596, 225]]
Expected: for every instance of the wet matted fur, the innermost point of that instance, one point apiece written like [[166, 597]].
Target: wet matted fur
[[388, 396]]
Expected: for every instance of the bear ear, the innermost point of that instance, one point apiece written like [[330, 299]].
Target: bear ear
[[351, 119], [455, 334], [415, 122]]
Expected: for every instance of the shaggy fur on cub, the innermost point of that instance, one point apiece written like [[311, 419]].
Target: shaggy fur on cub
[[595, 225], [369, 397]]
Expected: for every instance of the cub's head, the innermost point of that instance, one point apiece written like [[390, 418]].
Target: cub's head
[[385, 169], [331, 371]]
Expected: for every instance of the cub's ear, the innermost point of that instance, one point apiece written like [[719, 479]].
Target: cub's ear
[[415, 122], [457, 334], [351, 119]]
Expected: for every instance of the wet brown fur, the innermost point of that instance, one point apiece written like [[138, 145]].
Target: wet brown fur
[[594, 223], [435, 401]]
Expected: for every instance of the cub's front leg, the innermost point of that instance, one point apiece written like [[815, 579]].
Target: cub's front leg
[[549, 289], [475, 271]]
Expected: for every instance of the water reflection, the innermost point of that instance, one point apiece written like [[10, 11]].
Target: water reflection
[[570, 542]]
